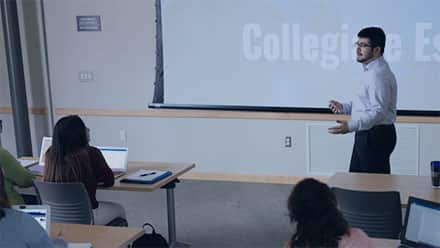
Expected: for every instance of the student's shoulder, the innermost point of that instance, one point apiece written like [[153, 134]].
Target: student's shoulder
[[3, 151], [357, 232], [356, 238], [6, 157], [95, 154], [93, 150], [29, 229], [17, 217]]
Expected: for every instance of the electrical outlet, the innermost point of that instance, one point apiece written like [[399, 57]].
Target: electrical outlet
[[86, 76], [288, 141]]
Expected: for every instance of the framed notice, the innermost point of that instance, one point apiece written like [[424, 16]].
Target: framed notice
[[88, 23]]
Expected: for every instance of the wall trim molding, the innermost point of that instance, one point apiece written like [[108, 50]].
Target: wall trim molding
[[210, 114], [35, 111], [213, 114]]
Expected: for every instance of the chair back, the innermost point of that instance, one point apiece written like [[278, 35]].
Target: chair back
[[69, 202], [379, 214]]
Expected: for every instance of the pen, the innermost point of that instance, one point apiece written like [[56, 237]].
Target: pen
[[147, 174]]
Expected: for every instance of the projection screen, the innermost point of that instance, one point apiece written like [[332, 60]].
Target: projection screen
[[294, 53]]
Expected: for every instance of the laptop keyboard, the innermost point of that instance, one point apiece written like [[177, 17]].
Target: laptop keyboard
[[37, 170]]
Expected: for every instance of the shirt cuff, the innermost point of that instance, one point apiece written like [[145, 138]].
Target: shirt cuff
[[346, 108], [353, 126]]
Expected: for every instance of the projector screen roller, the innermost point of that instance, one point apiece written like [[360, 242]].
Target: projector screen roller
[[298, 54]]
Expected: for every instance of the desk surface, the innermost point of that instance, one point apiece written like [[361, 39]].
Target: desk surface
[[417, 186], [177, 169], [99, 236]]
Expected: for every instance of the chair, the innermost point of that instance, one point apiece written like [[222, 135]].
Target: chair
[[69, 202], [379, 214]]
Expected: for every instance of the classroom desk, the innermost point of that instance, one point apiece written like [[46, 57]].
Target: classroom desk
[[386, 243], [407, 185], [168, 183], [99, 236]]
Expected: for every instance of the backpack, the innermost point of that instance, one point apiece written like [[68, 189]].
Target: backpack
[[152, 239]]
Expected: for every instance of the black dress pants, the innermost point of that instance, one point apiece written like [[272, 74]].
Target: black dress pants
[[372, 149]]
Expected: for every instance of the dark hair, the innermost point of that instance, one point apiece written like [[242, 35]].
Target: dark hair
[[66, 159], [312, 205], [376, 35], [4, 202]]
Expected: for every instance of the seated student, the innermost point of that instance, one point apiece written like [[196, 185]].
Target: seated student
[[312, 205], [15, 175], [72, 159], [18, 229]]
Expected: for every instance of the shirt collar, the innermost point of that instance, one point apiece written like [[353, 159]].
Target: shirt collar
[[372, 64]]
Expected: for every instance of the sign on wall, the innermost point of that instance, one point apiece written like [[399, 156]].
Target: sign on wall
[[88, 23]]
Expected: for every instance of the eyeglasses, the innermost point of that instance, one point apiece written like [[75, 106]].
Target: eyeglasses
[[362, 45]]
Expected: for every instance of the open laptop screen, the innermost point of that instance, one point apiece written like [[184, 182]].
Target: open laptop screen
[[422, 223], [116, 157], [45, 144]]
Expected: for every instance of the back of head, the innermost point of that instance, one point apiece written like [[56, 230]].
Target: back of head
[[4, 202], [68, 152], [376, 35], [312, 205], [69, 134]]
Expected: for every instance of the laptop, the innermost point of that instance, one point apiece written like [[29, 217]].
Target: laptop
[[422, 224], [28, 162], [116, 158], [41, 213], [38, 169]]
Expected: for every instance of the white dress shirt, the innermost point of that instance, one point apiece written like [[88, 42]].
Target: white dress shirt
[[375, 103]]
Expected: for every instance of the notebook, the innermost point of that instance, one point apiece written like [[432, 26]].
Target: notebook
[[422, 224], [116, 158], [146, 176], [38, 169], [41, 213]]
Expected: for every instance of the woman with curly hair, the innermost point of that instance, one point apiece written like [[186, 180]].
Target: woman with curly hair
[[319, 223]]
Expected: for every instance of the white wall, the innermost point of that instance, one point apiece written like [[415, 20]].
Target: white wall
[[122, 60], [121, 57]]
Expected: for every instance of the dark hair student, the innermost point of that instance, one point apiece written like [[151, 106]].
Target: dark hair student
[[319, 223], [72, 159]]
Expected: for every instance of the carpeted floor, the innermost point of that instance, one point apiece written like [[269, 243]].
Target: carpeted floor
[[214, 214]]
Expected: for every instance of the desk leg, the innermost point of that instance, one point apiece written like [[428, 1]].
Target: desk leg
[[171, 212], [171, 216]]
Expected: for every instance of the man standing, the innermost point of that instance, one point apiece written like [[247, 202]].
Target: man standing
[[373, 111]]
